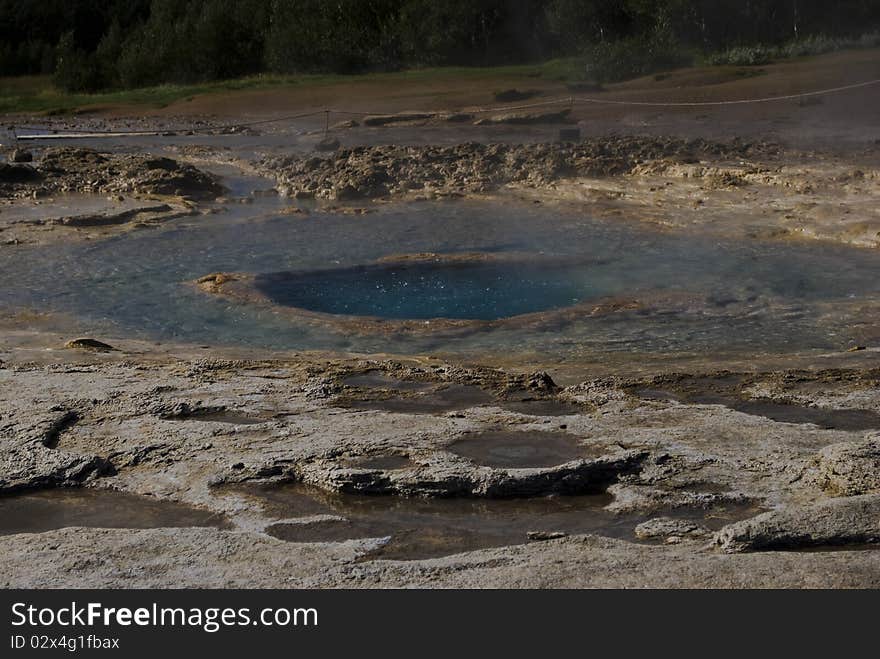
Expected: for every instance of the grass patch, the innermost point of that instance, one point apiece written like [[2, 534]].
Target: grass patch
[[37, 94], [604, 63], [812, 45]]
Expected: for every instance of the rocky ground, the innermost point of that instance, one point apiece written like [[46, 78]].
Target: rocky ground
[[741, 188], [792, 453], [380, 171], [744, 188], [70, 194], [190, 431], [71, 169], [713, 474]]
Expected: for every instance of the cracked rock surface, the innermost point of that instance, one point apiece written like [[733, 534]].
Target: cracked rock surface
[[191, 431], [204, 558], [837, 522], [377, 171]]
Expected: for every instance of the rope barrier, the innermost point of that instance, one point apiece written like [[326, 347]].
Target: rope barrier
[[745, 101], [327, 112]]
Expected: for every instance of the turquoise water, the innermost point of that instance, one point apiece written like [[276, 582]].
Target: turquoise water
[[698, 293]]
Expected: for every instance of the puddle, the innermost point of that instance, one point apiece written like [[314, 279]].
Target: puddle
[[828, 419], [435, 397], [421, 398], [390, 462], [427, 528], [37, 512], [520, 450], [445, 398], [380, 380], [525, 404]]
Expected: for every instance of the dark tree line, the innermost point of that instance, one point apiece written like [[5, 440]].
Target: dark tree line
[[100, 44]]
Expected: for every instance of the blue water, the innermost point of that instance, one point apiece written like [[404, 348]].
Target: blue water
[[477, 291], [702, 294]]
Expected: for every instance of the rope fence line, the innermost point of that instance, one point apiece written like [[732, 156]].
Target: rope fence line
[[767, 99], [327, 112]]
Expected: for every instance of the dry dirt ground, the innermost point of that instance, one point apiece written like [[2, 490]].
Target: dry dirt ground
[[734, 474]]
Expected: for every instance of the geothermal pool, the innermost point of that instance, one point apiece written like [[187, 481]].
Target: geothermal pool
[[472, 291], [633, 289]]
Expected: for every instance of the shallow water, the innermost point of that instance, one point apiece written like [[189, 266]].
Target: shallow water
[[523, 403], [431, 397], [46, 510], [782, 412], [64, 205], [441, 398], [380, 380], [699, 294], [425, 528], [519, 449]]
